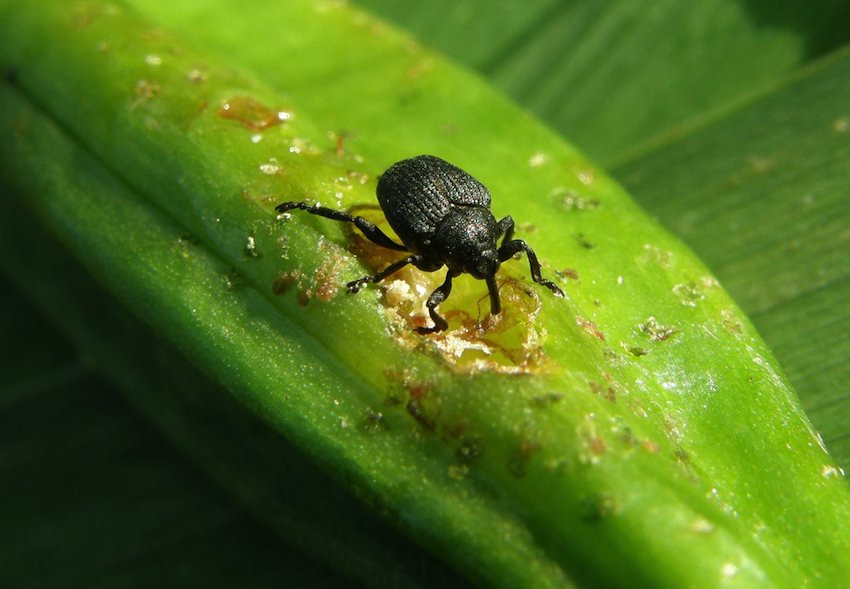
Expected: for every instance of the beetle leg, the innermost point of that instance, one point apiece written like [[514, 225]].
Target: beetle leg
[[369, 229], [517, 245], [505, 227], [437, 297], [355, 285]]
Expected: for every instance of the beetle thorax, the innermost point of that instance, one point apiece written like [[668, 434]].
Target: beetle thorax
[[465, 241]]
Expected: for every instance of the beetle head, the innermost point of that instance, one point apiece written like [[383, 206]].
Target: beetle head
[[484, 264]]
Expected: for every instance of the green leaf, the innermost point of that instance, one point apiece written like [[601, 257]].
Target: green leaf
[[756, 46], [813, 377], [760, 193], [613, 75], [92, 497], [638, 432], [136, 506]]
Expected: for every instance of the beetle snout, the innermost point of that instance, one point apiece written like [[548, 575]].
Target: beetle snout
[[485, 264]]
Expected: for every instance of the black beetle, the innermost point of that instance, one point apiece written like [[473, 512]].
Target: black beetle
[[442, 215]]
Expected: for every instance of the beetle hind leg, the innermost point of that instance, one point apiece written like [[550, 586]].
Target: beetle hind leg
[[372, 232]]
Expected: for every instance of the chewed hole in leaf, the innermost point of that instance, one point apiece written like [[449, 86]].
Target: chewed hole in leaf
[[476, 341]]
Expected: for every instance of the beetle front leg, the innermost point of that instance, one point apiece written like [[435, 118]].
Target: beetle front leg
[[355, 285], [517, 245], [437, 297], [505, 227]]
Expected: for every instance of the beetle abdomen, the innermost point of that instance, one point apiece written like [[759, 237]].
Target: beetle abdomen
[[417, 193]]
